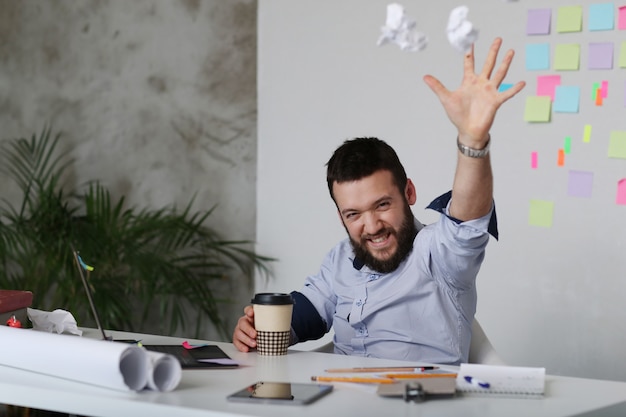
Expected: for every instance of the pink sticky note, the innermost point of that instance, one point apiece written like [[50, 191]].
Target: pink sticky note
[[621, 19], [546, 85], [533, 160], [621, 192], [604, 90]]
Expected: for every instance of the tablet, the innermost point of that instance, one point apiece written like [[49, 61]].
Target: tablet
[[280, 393]]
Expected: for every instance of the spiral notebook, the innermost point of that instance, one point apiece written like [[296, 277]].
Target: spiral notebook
[[501, 380]]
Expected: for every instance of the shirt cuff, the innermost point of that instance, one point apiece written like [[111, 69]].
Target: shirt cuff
[[442, 202]]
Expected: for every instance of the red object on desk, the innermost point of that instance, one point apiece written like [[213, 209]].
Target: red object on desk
[[11, 300], [13, 322]]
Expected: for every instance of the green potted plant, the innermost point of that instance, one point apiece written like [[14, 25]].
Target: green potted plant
[[150, 264]]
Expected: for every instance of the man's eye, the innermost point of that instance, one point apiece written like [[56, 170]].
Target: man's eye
[[384, 204]]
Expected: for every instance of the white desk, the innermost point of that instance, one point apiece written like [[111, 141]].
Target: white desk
[[203, 392]]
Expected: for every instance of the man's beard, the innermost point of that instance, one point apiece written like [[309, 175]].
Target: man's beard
[[404, 236]]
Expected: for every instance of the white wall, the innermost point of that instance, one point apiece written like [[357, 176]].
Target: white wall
[[549, 297]]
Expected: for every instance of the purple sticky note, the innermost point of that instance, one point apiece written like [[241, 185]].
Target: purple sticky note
[[546, 85], [580, 184], [600, 55], [538, 21]]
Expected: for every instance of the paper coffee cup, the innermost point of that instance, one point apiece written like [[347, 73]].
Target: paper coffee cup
[[272, 321]]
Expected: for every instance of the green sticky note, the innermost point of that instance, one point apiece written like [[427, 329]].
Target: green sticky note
[[569, 19], [622, 56], [587, 134], [567, 144], [537, 109], [541, 213], [567, 57], [617, 144], [594, 91]]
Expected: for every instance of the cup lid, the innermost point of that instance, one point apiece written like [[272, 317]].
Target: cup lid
[[272, 298]]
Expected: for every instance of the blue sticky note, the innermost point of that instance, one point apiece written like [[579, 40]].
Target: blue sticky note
[[566, 99], [504, 87], [601, 16], [538, 56]]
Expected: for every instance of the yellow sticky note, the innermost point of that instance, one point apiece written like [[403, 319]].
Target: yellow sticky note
[[537, 109], [622, 56], [567, 57], [541, 213], [617, 144], [569, 19], [587, 134]]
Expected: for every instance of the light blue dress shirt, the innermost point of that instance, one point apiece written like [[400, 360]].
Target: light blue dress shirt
[[423, 311]]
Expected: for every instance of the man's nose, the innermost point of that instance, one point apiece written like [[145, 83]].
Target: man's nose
[[371, 223]]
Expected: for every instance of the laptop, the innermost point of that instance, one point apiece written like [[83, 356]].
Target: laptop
[[195, 357]]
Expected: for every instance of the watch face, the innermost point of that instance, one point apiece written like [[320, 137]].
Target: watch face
[[471, 152]]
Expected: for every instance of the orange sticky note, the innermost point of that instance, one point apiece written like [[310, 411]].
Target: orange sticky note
[[561, 158], [599, 97]]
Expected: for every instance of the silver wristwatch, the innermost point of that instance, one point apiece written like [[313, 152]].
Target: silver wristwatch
[[471, 152]]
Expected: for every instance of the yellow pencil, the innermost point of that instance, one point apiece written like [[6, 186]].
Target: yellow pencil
[[415, 376], [353, 379]]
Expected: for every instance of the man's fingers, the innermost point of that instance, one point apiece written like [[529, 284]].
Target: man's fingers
[[490, 62], [436, 86], [507, 94], [468, 64], [503, 69]]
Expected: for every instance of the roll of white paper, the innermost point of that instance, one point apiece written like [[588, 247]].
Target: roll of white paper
[[166, 371], [107, 364]]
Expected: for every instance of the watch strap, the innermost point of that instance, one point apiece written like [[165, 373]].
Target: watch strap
[[472, 152]]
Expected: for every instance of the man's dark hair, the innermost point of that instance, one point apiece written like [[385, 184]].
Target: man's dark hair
[[361, 157]]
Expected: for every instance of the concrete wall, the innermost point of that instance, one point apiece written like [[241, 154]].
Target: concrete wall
[[157, 99]]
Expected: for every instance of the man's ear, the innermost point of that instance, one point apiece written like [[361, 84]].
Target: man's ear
[[409, 192]]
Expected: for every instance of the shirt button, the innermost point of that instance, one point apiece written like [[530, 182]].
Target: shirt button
[[359, 303]]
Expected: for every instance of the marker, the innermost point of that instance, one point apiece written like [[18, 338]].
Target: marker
[[385, 369], [353, 379], [477, 382]]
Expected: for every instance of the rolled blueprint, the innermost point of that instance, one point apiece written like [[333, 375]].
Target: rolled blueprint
[[166, 371], [108, 364]]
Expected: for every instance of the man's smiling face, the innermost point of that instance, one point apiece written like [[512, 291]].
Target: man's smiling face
[[378, 219]]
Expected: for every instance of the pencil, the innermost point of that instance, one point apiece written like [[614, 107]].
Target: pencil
[[353, 379], [415, 376], [385, 369]]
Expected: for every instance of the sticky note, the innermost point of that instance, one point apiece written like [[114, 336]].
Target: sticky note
[[622, 55], [538, 21], [580, 184], [546, 85], [569, 19], [560, 158], [534, 160], [624, 93], [537, 109], [600, 55], [621, 192], [601, 16], [598, 97], [594, 90], [604, 89], [566, 99], [541, 213], [538, 56], [617, 144], [621, 18], [567, 57], [504, 87], [567, 145], [587, 134]]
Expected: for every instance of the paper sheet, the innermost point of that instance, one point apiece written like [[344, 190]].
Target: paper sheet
[[401, 30], [107, 364], [461, 32]]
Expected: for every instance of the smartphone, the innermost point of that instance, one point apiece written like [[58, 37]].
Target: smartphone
[[280, 393]]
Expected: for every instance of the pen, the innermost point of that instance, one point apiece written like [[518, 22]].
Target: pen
[[385, 369], [477, 382], [352, 379], [415, 376]]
